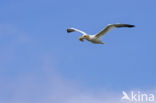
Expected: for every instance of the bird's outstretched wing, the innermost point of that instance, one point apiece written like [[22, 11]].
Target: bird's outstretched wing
[[111, 26], [69, 30]]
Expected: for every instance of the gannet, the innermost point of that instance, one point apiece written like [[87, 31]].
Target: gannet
[[96, 39]]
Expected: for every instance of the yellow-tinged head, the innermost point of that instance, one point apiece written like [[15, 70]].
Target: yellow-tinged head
[[84, 37]]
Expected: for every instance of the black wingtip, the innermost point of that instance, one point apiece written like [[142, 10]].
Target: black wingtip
[[130, 26], [69, 30], [124, 25]]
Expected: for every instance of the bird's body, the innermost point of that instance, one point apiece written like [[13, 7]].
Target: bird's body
[[96, 39]]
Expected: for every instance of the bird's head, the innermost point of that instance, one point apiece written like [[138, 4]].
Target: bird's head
[[84, 37]]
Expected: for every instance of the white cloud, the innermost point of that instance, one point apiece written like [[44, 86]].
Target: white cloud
[[51, 87]]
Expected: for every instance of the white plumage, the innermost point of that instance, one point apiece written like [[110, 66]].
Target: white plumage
[[96, 39]]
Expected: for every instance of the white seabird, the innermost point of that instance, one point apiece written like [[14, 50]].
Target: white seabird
[[96, 39]]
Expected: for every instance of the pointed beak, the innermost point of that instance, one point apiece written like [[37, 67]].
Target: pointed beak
[[81, 39]]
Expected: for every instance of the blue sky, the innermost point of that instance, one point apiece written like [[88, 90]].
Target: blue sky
[[37, 55]]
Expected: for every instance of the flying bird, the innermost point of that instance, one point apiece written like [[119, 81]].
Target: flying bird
[[96, 39]]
